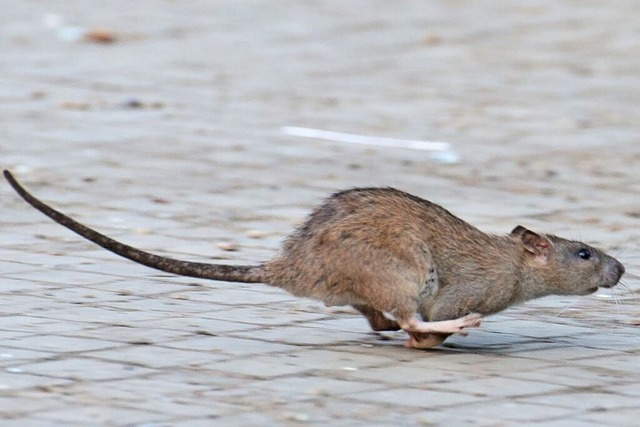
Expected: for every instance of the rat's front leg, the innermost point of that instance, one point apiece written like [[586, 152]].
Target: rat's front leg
[[430, 334], [452, 326]]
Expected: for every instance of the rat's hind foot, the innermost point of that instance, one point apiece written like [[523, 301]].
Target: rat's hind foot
[[441, 327], [422, 341]]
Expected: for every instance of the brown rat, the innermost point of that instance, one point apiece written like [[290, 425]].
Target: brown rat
[[386, 252]]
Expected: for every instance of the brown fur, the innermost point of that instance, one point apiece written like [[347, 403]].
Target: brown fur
[[385, 251]]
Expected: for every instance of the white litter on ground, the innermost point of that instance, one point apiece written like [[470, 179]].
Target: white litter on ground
[[442, 150]]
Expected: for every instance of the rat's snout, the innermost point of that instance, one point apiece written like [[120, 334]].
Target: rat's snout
[[613, 272]]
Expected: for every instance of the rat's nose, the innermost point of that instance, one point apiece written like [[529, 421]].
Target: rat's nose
[[617, 270], [620, 270], [612, 272]]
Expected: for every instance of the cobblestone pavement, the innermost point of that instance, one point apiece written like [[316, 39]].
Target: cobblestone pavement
[[170, 139]]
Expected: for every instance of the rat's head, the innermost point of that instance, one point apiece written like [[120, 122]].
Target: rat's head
[[565, 267]]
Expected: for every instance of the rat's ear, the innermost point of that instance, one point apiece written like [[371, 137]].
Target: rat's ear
[[517, 232], [533, 243]]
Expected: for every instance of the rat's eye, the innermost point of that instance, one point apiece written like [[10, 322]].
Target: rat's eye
[[584, 254]]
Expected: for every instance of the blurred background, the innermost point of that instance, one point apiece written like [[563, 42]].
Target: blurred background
[[538, 100], [535, 102], [208, 129]]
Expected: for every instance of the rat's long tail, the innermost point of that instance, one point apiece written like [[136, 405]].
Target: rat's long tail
[[228, 273]]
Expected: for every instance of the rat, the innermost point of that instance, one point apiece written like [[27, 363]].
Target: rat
[[402, 261]]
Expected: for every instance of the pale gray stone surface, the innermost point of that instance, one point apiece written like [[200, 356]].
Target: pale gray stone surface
[[539, 100]]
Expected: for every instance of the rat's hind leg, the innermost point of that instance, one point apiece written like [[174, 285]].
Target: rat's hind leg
[[377, 319]]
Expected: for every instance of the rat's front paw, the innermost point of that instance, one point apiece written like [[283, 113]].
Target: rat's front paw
[[472, 320]]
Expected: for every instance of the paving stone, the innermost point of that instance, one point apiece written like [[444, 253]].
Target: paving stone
[[158, 357], [37, 324], [132, 333], [585, 400], [498, 387], [14, 355], [418, 398], [20, 380], [198, 323], [403, 373], [622, 417], [631, 389], [7, 335], [243, 419], [32, 401], [70, 278], [572, 353], [99, 414], [342, 323], [271, 316], [253, 297], [32, 422], [539, 103], [315, 386], [509, 412], [168, 399], [565, 375], [229, 345], [21, 286], [108, 313], [58, 344], [260, 367], [302, 335], [319, 358], [568, 421], [83, 369]]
